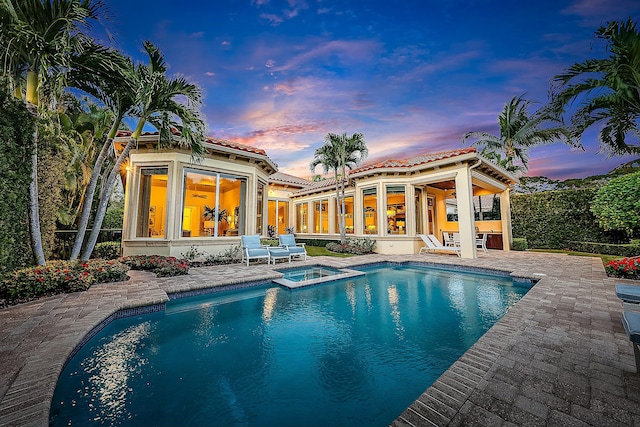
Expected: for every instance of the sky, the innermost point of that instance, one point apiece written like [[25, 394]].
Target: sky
[[411, 75]]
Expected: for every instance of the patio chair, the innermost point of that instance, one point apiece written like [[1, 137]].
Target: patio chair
[[630, 296], [278, 252], [288, 241], [481, 241], [631, 323], [253, 249], [432, 244], [447, 238]]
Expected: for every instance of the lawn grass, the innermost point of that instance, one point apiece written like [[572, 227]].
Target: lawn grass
[[322, 251], [605, 258]]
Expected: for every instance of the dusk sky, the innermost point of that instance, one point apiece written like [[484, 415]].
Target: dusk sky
[[412, 76]]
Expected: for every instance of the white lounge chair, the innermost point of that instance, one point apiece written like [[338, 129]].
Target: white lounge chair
[[253, 249], [432, 244], [481, 241], [288, 241]]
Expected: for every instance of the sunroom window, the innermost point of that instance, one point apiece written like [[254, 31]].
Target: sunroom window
[[213, 204], [152, 202]]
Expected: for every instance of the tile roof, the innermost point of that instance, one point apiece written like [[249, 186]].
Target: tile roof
[[415, 160], [284, 178], [214, 141]]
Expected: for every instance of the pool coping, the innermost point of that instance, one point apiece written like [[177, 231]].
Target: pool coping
[[568, 323]]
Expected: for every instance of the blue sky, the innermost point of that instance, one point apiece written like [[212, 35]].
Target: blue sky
[[411, 75]]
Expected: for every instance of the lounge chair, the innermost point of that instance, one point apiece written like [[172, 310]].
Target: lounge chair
[[432, 244], [253, 249], [278, 252], [481, 241], [628, 293], [631, 323], [288, 241]]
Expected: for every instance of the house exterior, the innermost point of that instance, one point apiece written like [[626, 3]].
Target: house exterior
[[173, 202]]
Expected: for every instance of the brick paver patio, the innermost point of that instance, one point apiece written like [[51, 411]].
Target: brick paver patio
[[558, 357]]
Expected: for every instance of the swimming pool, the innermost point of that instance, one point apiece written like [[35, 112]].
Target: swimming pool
[[352, 352]]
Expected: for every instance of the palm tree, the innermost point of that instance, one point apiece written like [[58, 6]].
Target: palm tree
[[117, 91], [605, 91], [519, 131], [157, 102], [38, 39], [338, 153], [84, 124]]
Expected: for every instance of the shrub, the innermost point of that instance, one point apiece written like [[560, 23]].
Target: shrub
[[107, 250], [628, 268], [358, 246], [605, 248], [550, 219], [231, 255], [270, 242], [59, 277], [160, 265], [617, 204], [520, 244], [16, 137]]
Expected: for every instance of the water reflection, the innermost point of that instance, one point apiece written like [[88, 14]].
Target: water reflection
[[394, 302], [109, 371], [269, 304]]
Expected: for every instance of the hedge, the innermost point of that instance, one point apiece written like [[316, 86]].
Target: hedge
[[551, 219], [16, 136], [605, 248]]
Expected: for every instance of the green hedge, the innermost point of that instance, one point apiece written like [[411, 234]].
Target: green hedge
[[317, 242], [16, 135], [551, 219], [519, 244], [605, 248]]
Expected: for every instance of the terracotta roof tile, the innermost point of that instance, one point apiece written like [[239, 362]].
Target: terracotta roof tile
[[214, 141], [415, 160], [285, 178]]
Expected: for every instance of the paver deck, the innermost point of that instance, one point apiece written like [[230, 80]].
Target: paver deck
[[559, 357]]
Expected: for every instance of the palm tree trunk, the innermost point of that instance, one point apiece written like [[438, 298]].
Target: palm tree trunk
[[34, 208], [101, 210], [88, 200], [343, 220]]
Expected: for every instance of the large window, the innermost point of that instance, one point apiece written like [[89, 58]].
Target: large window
[[370, 216], [152, 202], [348, 209], [396, 210], [321, 217], [302, 218], [259, 205], [279, 216], [213, 205], [487, 208]]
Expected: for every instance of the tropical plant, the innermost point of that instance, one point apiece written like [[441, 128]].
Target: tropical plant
[[616, 206], [158, 101], [338, 153], [117, 91], [16, 131], [519, 131], [605, 92], [39, 41]]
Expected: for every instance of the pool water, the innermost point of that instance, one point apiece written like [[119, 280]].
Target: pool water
[[308, 273], [352, 352]]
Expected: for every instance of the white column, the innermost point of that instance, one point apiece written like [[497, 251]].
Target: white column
[[505, 214], [466, 221]]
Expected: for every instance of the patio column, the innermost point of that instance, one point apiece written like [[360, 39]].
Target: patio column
[[466, 220], [505, 214]]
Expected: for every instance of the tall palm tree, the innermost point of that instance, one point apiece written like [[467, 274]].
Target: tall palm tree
[[84, 124], [338, 153], [519, 131], [37, 40], [117, 89], [158, 101], [605, 91]]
